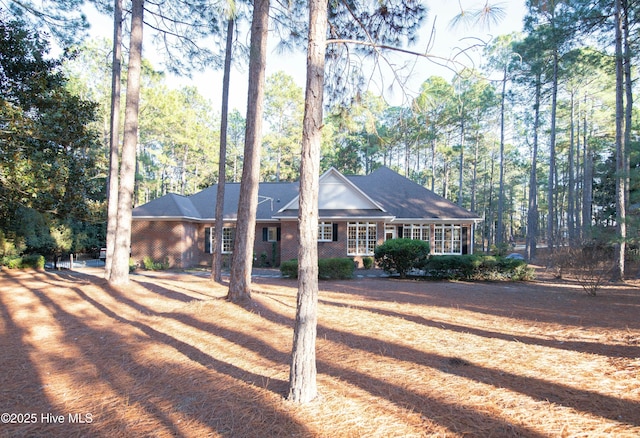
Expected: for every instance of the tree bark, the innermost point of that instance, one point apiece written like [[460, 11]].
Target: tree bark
[[500, 230], [551, 219], [120, 266], [620, 146], [240, 278], [216, 262], [571, 215], [532, 214], [302, 376], [114, 139]]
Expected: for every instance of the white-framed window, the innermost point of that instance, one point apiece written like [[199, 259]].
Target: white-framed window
[[325, 231], [272, 234], [228, 234], [362, 238], [447, 239], [416, 231]]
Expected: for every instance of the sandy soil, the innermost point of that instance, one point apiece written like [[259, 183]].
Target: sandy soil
[[168, 356]]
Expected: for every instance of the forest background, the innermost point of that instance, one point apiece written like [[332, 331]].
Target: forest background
[[532, 152]]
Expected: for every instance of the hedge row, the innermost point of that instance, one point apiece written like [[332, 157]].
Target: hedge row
[[34, 261], [476, 267], [340, 268]]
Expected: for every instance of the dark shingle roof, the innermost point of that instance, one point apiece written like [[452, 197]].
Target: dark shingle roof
[[404, 198], [202, 205], [168, 206], [397, 195]]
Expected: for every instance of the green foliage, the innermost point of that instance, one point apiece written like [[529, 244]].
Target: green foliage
[[33, 261], [335, 268], [339, 268], [500, 249], [477, 267], [49, 159], [367, 262], [401, 255], [289, 268], [151, 265]]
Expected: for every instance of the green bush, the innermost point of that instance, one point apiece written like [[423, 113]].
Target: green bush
[[335, 268], [289, 268], [328, 269], [402, 255], [367, 262], [34, 261], [151, 265], [477, 267]]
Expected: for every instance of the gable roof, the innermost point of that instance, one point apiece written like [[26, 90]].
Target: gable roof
[[338, 197], [406, 199], [170, 206], [383, 194]]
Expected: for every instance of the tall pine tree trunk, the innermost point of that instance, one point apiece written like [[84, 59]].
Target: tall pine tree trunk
[[620, 146], [120, 266], [114, 138], [240, 279], [302, 376], [532, 213], [216, 263], [571, 222], [500, 231], [551, 188]]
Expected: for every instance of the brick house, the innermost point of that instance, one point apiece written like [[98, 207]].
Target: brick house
[[356, 213]]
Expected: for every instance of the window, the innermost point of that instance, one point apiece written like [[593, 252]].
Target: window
[[361, 238], [416, 232], [447, 239], [272, 234], [325, 231], [228, 234]]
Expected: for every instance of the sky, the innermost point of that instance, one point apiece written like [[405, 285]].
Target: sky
[[446, 42]]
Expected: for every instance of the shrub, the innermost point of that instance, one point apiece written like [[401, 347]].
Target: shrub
[[477, 267], [402, 255], [11, 262], [335, 268], [34, 261], [340, 268], [151, 265], [590, 265], [289, 268], [367, 262]]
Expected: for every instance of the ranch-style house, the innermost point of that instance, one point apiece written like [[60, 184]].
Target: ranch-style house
[[356, 213]]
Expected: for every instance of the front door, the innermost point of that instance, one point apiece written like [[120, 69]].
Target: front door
[[389, 232]]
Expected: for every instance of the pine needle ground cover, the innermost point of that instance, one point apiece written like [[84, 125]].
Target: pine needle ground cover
[[168, 356]]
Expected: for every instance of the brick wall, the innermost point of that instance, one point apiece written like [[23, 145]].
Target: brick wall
[[183, 244], [163, 241], [289, 240]]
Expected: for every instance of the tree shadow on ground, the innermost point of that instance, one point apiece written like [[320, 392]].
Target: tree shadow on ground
[[116, 351]]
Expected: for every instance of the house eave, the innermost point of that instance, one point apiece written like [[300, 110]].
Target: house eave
[[414, 220], [167, 219]]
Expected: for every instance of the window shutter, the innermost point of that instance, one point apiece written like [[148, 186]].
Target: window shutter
[[400, 231], [279, 234], [265, 234], [207, 240], [335, 232], [465, 246]]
